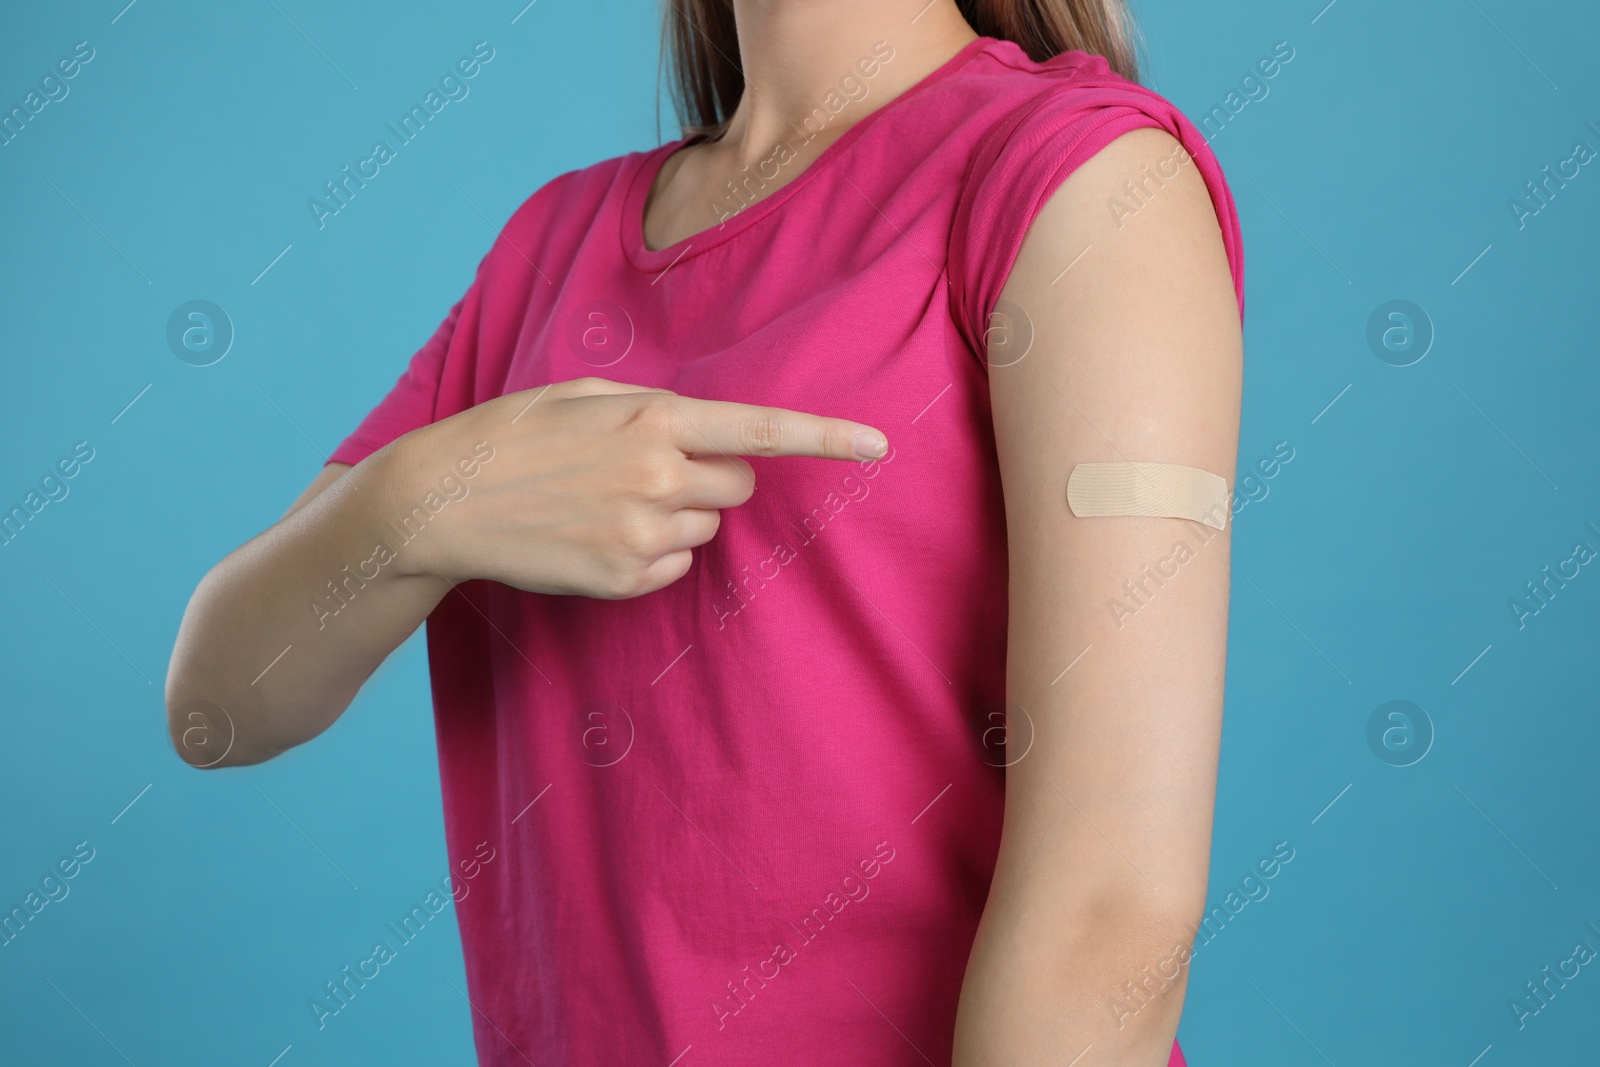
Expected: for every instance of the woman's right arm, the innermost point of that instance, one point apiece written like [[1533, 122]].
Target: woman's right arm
[[255, 669], [587, 487]]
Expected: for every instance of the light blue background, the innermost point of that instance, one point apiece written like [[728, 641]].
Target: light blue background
[[1377, 568]]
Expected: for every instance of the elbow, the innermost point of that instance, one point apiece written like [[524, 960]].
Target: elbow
[[205, 734], [208, 734], [206, 737], [202, 732], [1147, 987], [1144, 951], [1101, 970]]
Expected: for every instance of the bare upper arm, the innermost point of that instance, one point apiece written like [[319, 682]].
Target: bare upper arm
[[325, 477], [1136, 357]]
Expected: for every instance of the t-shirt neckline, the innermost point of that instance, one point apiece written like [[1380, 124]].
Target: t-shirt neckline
[[648, 164]]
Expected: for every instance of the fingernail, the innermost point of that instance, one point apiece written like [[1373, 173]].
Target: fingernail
[[869, 445]]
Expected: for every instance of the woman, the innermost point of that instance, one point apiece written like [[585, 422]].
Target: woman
[[741, 734]]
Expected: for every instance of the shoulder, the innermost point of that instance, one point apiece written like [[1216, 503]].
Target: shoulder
[[573, 191], [1016, 99], [1140, 226], [552, 224], [1064, 109], [1042, 122]]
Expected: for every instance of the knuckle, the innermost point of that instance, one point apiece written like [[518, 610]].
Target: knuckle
[[638, 582], [566, 389], [658, 482], [655, 414], [762, 434], [621, 583], [638, 540], [622, 574], [835, 440]]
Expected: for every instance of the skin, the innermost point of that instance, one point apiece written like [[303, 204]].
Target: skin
[[793, 53], [1103, 859], [603, 489], [594, 488]]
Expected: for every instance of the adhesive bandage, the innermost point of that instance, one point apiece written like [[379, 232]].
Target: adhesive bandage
[[1166, 490]]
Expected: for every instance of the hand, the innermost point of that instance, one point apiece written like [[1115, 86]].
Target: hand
[[595, 488]]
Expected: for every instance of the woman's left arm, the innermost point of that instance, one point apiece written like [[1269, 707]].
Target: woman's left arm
[[1118, 626]]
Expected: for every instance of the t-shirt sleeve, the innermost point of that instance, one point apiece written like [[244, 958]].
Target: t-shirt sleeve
[[412, 402], [1037, 147]]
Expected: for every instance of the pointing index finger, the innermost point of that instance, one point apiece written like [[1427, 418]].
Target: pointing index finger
[[727, 428]]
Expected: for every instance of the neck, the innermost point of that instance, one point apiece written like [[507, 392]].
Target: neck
[[805, 61]]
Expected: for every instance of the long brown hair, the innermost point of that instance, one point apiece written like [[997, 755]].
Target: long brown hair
[[702, 44]]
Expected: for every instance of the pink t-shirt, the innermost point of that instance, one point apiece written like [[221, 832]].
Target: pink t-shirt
[[753, 817]]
